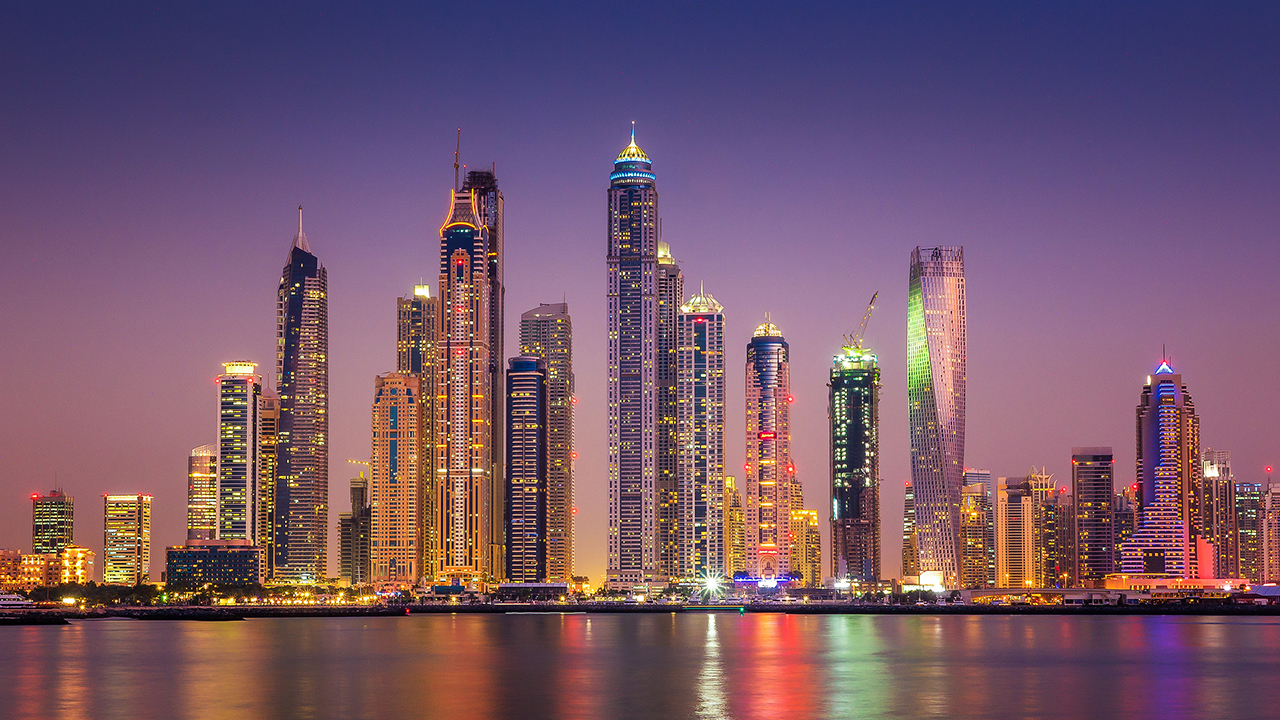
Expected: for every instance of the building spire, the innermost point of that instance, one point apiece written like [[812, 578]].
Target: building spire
[[633, 132], [300, 240], [456, 150]]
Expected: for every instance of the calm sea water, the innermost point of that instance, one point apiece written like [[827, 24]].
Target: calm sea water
[[645, 666]]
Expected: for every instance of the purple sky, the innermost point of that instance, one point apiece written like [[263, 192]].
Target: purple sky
[[1111, 173]]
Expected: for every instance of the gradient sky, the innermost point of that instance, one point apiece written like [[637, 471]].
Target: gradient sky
[[1110, 171]]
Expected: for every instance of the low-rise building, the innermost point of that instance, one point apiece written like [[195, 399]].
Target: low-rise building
[[77, 565], [217, 562]]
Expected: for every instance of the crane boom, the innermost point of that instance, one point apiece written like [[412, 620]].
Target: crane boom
[[856, 340]]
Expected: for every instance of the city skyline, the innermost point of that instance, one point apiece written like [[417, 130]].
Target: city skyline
[[1039, 251]]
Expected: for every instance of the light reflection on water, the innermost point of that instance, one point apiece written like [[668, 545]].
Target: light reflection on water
[[653, 666]]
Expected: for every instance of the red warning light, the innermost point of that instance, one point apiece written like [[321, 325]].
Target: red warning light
[[573, 456], [1268, 468], [574, 511]]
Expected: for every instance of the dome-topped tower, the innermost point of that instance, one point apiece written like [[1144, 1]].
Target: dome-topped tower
[[633, 166]]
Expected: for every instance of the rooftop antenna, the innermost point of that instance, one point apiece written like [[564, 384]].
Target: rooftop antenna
[[456, 150], [633, 132], [299, 221]]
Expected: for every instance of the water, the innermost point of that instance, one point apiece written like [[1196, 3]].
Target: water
[[645, 666]]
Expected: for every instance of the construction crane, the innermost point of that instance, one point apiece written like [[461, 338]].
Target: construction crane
[[365, 463], [855, 341]]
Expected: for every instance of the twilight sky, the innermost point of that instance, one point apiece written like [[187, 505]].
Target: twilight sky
[[1110, 171]]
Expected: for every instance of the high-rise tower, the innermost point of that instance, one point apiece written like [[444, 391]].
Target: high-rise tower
[[670, 298], [396, 494], [700, 438], [202, 493], [771, 477], [1169, 535], [910, 548], [547, 332], [463, 512], [632, 328], [126, 543], [268, 471], [239, 428], [302, 451], [735, 519], [854, 410], [526, 481], [489, 211], [1250, 514], [52, 522], [1093, 492], [417, 333], [935, 403], [1218, 503]]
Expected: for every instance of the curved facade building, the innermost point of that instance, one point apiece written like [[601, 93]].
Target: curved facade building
[[936, 361], [771, 476]]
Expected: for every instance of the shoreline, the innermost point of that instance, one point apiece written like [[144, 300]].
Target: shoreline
[[59, 616]]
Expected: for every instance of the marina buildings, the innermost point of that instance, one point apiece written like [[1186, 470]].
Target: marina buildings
[[977, 536], [239, 404], [354, 551], [397, 501], [202, 493], [936, 367]]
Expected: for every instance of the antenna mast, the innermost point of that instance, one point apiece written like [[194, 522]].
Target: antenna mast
[[456, 150]]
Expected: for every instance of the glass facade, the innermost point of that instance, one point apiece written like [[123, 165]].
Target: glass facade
[[700, 438], [526, 484], [854, 411]]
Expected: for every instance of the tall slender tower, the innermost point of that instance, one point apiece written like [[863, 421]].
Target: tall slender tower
[[1250, 517], [935, 403], [670, 298], [854, 410], [700, 438], [489, 211], [526, 482], [1169, 537], [464, 404], [632, 328], [735, 520], [395, 527], [977, 534], [239, 427], [910, 546], [202, 493], [771, 477], [417, 332], [302, 451], [547, 332], [1093, 492], [52, 522], [268, 470]]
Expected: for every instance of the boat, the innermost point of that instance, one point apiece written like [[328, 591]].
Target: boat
[[15, 601]]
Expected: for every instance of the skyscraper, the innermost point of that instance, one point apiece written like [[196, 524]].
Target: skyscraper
[[396, 498], [239, 404], [490, 211], [1250, 514], [202, 493], [547, 332], [302, 374], [464, 407], [1019, 542], [854, 411], [632, 329], [353, 535], [936, 361], [1056, 540], [977, 537], [417, 354], [670, 297], [771, 476], [268, 470], [1168, 438], [52, 522], [735, 541], [910, 549], [1218, 508], [1270, 545], [700, 440], [1093, 492], [126, 544], [526, 467]]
